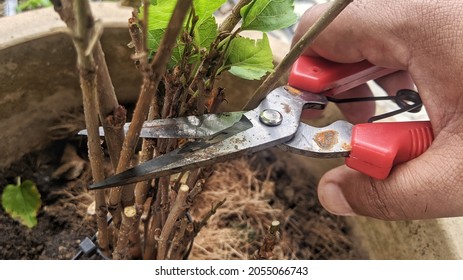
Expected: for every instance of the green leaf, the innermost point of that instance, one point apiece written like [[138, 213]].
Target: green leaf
[[205, 30], [268, 15], [205, 33], [154, 40], [206, 8], [177, 53], [249, 59], [33, 4], [22, 202], [160, 14]]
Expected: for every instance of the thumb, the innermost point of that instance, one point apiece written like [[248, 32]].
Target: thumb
[[405, 195]]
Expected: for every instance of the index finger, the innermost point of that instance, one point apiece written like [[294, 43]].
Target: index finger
[[355, 35]]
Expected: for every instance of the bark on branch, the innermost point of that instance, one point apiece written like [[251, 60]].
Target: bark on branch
[[271, 238], [78, 17], [128, 218], [235, 16], [177, 209]]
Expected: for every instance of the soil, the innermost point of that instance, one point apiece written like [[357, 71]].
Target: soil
[[62, 219], [267, 186]]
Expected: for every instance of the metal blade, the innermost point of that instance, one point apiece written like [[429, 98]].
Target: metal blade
[[185, 127], [220, 147], [324, 142]]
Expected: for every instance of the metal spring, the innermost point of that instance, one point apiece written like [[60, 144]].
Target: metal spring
[[408, 100]]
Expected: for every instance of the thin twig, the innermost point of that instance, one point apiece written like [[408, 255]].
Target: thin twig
[[139, 36], [177, 209], [164, 198], [208, 215], [141, 191], [177, 240], [335, 9], [77, 16], [233, 18], [137, 39], [153, 230]]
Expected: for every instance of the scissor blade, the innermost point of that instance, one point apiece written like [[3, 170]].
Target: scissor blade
[[207, 151], [185, 127], [270, 130], [330, 141]]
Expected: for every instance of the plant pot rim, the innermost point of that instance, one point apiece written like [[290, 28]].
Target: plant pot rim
[[35, 24]]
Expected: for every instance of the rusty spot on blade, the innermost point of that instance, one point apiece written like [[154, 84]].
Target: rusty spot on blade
[[326, 139], [346, 146]]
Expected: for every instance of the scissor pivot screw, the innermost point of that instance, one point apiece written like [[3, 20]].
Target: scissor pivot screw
[[270, 117]]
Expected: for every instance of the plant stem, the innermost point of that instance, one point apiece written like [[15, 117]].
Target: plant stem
[[88, 82], [141, 188], [177, 240], [128, 219], [138, 36], [153, 229], [164, 188], [112, 115], [177, 209], [335, 9], [235, 16], [208, 215], [151, 81], [270, 240]]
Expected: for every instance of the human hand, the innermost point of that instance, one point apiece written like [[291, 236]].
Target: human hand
[[424, 39]]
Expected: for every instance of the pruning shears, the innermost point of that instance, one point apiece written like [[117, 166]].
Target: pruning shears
[[371, 148]]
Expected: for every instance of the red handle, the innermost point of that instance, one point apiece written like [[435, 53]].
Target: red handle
[[320, 75], [377, 147]]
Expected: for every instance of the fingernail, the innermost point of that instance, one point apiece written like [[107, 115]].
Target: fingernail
[[333, 200]]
